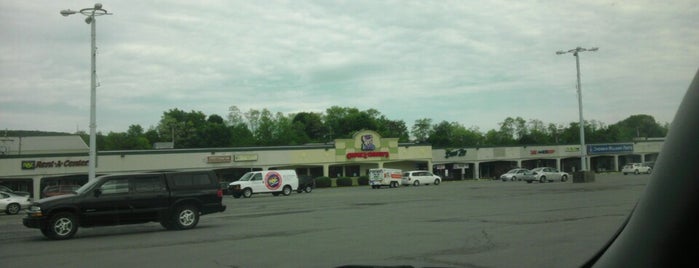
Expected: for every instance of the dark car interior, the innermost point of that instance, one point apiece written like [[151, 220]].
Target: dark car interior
[[663, 229]]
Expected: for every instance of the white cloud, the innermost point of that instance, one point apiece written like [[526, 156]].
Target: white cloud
[[474, 63]]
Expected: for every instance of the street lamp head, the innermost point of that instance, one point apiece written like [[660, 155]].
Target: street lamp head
[[98, 6], [88, 20], [67, 12]]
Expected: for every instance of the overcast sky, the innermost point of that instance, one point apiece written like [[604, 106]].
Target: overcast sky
[[472, 62]]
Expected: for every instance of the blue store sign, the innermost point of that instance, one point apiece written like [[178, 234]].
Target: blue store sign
[[610, 148]]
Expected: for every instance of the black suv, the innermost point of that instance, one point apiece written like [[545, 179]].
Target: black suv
[[175, 199]]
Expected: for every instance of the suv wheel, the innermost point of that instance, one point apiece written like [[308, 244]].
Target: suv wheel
[[247, 193], [185, 217], [636, 172], [308, 189], [12, 209], [416, 183], [61, 226], [542, 179], [564, 178], [287, 190]]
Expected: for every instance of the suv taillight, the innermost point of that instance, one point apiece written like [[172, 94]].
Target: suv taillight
[[219, 193]]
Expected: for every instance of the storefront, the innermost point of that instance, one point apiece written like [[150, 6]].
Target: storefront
[[34, 168]]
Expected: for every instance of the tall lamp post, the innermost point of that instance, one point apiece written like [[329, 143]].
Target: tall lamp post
[[91, 13], [583, 150]]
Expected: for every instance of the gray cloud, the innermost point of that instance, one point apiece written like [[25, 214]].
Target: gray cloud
[[473, 63]]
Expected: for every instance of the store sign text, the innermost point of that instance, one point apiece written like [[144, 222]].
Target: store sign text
[[542, 151], [218, 159], [28, 165], [367, 155], [609, 148]]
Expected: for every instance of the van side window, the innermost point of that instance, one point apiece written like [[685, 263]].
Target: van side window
[[258, 177]]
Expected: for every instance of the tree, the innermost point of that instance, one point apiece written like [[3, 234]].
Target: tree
[[421, 129], [391, 128], [312, 126]]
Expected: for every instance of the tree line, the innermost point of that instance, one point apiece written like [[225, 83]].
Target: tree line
[[195, 129]]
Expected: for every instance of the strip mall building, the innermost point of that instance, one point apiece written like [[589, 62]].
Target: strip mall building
[[33, 163]]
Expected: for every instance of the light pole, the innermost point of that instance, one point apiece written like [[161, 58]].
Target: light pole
[[583, 150], [91, 13]]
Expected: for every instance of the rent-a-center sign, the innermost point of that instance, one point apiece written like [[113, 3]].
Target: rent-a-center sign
[[610, 148]]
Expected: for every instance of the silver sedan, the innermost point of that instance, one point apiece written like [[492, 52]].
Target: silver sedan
[[517, 174], [12, 203]]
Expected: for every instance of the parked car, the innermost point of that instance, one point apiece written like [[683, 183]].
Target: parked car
[[636, 168], [418, 177], [517, 174], [306, 184], [175, 199], [60, 189], [547, 174], [12, 203], [224, 187], [6, 189]]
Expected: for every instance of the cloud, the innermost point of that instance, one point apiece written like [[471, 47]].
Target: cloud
[[472, 63]]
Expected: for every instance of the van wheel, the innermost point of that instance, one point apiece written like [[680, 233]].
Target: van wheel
[[61, 226], [308, 189], [416, 183], [185, 217], [286, 191], [247, 193], [437, 181]]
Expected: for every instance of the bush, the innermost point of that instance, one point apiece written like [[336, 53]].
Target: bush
[[344, 181], [323, 182], [363, 180]]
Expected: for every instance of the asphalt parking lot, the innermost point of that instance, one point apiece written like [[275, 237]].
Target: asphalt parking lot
[[456, 224]]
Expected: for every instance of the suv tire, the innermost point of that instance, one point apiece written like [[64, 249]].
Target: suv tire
[[62, 226], [542, 179], [308, 189], [185, 217]]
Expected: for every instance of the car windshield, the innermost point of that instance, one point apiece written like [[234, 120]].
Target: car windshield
[[248, 176]]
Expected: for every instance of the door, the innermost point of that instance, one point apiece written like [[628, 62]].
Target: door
[[107, 204], [257, 184], [149, 197]]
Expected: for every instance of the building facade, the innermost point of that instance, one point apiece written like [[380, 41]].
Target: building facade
[[34, 163]]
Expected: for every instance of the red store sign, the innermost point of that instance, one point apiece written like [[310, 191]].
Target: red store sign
[[367, 155]]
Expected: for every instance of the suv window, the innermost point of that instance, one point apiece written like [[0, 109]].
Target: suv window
[[148, 184], [191, 179], [115, 186]]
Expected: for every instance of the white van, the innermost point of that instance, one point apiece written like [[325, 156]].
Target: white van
[[385, 177], [267, 181]]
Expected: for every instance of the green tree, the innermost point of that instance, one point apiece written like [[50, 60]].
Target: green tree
[[421, 129]]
